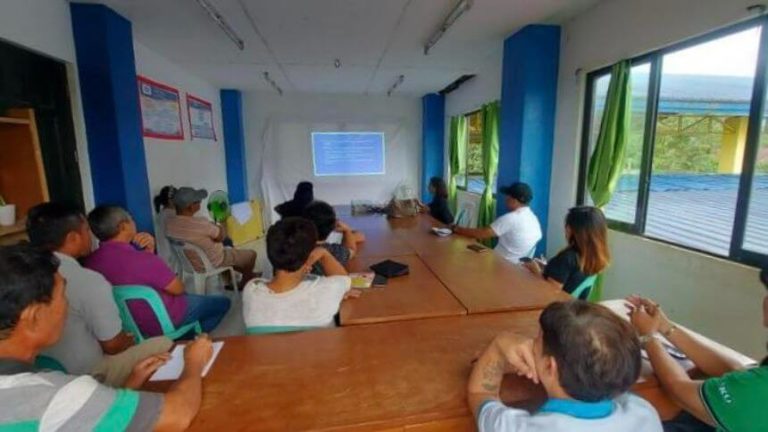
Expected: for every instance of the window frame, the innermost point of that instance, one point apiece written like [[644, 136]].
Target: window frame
[[465, 186], [736, 252]]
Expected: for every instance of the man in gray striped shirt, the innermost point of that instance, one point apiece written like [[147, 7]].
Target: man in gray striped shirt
[[33, 308]]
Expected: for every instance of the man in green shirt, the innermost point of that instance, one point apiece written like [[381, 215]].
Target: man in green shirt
[[732, 400], [33, 307]]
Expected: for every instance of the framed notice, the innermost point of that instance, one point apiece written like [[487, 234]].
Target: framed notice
[[160, 110], [200, 118]]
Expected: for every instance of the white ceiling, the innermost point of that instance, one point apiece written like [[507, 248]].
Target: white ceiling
[[376, 40]]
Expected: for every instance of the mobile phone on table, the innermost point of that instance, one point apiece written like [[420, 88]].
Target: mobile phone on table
[[477, 248], [379, 280]]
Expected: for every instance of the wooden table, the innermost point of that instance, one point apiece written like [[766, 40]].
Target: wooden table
[[482, 282], [408, 375], [417, 295]]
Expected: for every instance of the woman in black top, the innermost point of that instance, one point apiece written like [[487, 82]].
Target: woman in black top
[[438, 208], [586, 254], [302, 197]]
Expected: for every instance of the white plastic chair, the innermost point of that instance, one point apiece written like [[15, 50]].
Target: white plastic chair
[[199, 278]]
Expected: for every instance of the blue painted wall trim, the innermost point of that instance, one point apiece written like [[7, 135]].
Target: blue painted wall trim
[[234, 144], [528, 102], [432, 140], [107, 72]]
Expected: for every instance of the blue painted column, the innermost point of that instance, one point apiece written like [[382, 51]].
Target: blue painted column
[[432, 140], [528, 100], [234, 144], [107, 72]]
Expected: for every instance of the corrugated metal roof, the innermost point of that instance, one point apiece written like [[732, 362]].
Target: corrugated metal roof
[[698, 214]]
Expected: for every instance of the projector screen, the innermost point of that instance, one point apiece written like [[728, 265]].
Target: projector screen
[[348, 153]]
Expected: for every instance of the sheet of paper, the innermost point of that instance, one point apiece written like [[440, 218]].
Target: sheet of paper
[[242, 212], [172, 370]]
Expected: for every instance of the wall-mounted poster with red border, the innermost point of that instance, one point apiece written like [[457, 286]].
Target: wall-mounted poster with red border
[[160, 110], [200, 114]]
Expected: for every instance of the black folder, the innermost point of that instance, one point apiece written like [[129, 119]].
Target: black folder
[[390, 269]]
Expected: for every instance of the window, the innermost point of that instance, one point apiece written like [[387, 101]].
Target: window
[[696, 168], [472, 179]]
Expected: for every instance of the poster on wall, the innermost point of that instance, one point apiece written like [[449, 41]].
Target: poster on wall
[[160, 110], [200, 118]]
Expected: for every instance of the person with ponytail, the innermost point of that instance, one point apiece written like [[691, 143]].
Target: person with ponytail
[[587, 254], [731, 399]]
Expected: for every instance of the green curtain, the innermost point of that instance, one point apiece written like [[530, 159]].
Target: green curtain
[[490, 163], [457, 150], [607, 161]]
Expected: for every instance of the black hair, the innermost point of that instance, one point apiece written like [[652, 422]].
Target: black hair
[[165, 198], [519, 191], [304, 194], [323, 216], [597, 352], [28, 278], [289, 243], [105, 221], [441, 190], [49, 223]]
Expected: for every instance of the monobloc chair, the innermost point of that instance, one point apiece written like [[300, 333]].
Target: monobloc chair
[[50, 363], [125, 293], [587, 286], [181, 249]]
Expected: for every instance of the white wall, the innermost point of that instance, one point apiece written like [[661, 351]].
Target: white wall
[[284, 123], [45, 26], [714, 296], [197, 163]]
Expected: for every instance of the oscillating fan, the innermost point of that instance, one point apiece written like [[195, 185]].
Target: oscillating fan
[[218, 206]]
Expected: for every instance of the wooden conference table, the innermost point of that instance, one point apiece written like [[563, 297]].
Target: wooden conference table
[[446, 278], [402, 360]]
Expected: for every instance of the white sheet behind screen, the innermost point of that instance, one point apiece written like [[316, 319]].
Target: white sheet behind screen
[[286, 152]]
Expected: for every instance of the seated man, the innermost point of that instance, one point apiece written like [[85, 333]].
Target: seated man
[[32, 318], [122, 262], [292, 298], [731, 399], [518, 231], [585, 357], [323, 216], [208, 236], [93, 341]]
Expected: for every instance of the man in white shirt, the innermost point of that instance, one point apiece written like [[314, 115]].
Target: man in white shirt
[[585, 357], [518, 231], [293, 298]]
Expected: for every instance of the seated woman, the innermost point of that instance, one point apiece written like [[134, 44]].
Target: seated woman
[[586, 254], [733, 399], [302, 197], [438, 208]]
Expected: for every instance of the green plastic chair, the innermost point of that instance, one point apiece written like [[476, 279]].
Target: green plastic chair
[[50, 363], [587, 285], [124, 293], [261, 330]]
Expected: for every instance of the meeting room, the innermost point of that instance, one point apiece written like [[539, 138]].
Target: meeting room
[[380, 216]]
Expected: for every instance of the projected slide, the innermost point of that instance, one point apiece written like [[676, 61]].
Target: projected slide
[[348, 153]]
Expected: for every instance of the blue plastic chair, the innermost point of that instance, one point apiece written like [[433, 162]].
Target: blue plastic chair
[[587, 285], [261, 330], [125, 293], [50, 363]]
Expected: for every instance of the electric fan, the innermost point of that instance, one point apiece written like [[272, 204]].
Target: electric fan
[[218, 206]]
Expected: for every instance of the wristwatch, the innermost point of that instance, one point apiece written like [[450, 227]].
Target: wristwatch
[[668, 332]]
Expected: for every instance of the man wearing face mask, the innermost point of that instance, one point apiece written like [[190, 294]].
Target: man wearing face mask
[[92, 341]]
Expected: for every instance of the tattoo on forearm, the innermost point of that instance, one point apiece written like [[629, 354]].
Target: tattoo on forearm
[[492, 375]]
